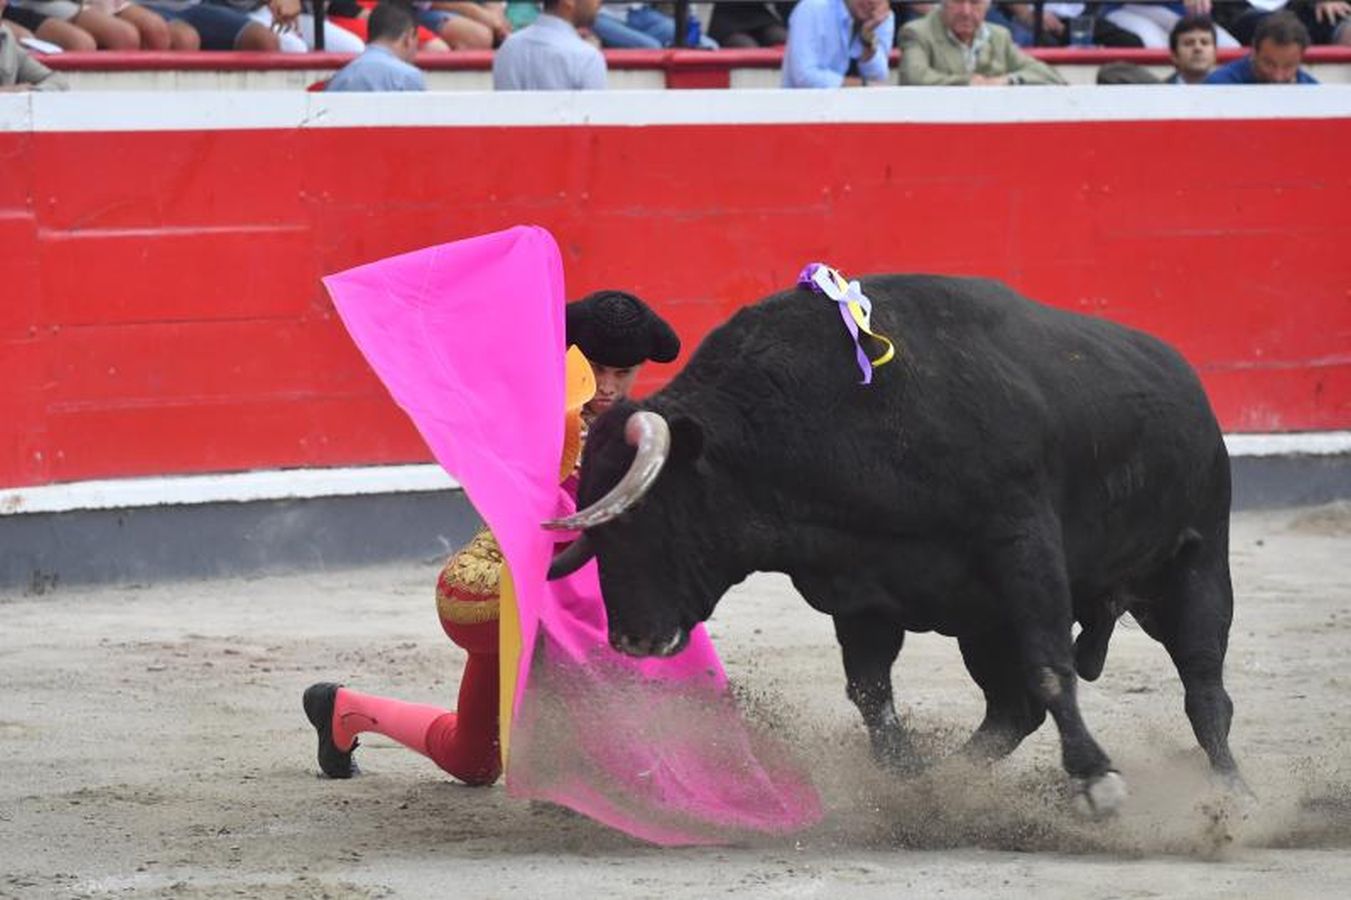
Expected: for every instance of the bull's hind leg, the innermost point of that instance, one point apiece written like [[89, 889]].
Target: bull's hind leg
[[1011, 712], [1191, 618], [1028, 571], [870, 644]]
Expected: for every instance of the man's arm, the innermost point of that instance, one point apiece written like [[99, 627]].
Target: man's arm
[[414, 81], [39, 76], [917, 64], [874, 68], [802, 60], [592, 75], [1026, 69]]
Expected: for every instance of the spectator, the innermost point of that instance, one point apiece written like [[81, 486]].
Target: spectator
[[1055, 25], [1153, 23], [747, 25], [218, 27], [954, 44], [1192, 46], [549, 54], [387, 62], [19, 71], [1327, 21], [28, 22], [113, 24], [293, 26], [838, 42], [1278, 48]]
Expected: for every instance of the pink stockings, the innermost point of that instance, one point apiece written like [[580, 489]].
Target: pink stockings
[[463, 743]]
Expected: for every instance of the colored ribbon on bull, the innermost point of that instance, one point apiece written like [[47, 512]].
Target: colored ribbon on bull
[[855, 309]]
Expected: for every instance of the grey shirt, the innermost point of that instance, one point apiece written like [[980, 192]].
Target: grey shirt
[[17, 67], [548, 55], [378, 69]]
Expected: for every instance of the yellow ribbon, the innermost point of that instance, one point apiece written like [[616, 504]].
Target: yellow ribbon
[[849, 295]]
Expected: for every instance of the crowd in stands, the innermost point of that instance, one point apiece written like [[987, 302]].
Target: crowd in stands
[[554, 44]]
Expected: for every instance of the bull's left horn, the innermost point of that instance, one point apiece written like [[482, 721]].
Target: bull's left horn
[[649, 433]]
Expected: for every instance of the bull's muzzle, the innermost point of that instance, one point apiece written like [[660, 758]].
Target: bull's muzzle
[[661, 647]]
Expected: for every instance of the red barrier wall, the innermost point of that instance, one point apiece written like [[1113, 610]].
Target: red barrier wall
[[162, 309]]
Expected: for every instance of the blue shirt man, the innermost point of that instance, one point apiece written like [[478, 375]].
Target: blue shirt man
[[826, 37], [1243, 71], [549, 54], [1278, 48], [386, 63]]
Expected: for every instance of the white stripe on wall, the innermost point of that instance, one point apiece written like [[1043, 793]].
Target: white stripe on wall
[[231, 487], [246, 110], [297, 484]]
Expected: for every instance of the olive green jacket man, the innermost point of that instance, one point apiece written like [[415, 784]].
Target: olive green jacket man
[[17, 67], [931, 55]]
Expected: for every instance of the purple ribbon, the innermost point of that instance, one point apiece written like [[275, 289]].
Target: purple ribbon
[[807, 277]]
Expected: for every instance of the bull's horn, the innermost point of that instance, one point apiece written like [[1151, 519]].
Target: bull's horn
[[573, 557], [648, 432]]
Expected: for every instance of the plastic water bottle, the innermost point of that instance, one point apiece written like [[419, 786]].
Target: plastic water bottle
[[692, 32]]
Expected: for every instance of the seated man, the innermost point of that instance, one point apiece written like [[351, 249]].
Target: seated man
[[833, 43], [1191, 44], [954, 44], [19, 71], [549, 54], [387, 62], [1278, 48]]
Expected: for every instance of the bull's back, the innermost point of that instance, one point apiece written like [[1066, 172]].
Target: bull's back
[[1113, 422], [992, 397]]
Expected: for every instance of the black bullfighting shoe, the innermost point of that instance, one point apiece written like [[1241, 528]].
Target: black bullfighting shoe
[[318, 702]]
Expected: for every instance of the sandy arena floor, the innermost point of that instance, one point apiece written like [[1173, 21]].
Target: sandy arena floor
[[154, 746]]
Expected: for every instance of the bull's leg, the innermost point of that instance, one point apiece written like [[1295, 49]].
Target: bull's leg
[[1011, 712], [1029, 572], [870, 644], [1191, 619]]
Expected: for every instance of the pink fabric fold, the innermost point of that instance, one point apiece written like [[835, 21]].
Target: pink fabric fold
[[469, 339]]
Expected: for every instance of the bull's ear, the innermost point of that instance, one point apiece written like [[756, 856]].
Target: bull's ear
[[687, 439]]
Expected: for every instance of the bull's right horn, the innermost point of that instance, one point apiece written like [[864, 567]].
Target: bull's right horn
[[572, 558], [649, 433]]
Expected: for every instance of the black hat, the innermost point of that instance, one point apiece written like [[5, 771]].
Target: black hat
[[613, 328]]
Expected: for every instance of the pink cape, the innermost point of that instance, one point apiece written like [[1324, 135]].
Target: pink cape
[[469, 339]]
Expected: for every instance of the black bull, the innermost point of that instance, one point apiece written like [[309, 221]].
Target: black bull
[[1014, 470]]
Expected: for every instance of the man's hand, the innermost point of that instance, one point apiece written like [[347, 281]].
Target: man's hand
[[867, 30], [15, 88], [1331, 11], [1197, 7], [497, 21], [284, 14], [988, 80]]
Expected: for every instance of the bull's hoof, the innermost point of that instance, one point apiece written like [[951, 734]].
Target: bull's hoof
[[1101, 797], [895, 754], [1233, 783]]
